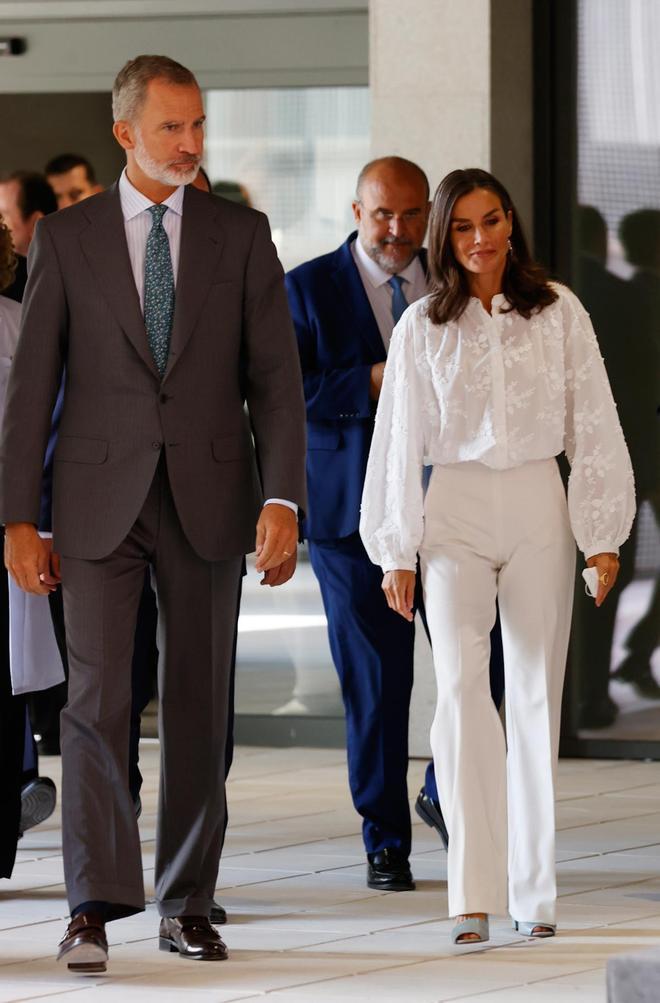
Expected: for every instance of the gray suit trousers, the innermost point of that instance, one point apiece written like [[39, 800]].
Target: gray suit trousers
[[196, 612]]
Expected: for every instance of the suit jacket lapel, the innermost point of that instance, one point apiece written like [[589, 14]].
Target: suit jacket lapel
[[105, 248], [201, 243], [348, 280]]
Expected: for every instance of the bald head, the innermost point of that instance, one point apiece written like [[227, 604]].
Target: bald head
[[393, 169], [391, 210]]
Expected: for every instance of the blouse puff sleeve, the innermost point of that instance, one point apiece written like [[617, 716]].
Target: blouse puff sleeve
[[601, 489], [392, 511]]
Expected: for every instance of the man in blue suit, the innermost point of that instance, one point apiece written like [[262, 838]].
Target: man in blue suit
[[344, 307]]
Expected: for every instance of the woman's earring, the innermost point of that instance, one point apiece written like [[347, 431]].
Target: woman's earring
[[509, 246]]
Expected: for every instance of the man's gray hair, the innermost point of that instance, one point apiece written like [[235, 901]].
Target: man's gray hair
[[129, 90]]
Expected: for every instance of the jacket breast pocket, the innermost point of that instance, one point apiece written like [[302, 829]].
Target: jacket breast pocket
[[323, 438], [78, 449]]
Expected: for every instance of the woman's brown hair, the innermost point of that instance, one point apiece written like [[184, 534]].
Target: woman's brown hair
[[7, 257], [525, 283]]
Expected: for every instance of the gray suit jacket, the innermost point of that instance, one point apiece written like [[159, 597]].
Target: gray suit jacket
[[232, 342]]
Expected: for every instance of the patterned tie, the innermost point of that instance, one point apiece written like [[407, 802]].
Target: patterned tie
[[158, 289], [399, 301]]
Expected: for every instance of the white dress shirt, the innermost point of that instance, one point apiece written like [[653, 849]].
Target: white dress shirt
[[379, 293], [137, 224], [499, 390]]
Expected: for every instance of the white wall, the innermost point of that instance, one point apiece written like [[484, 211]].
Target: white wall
[[83, 50]]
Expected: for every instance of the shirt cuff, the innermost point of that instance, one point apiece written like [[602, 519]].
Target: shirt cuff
[[600, 548], [282, 501], [398, 566], [44, 534]]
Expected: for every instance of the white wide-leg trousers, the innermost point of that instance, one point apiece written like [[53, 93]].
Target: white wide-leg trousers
[[499, 534]]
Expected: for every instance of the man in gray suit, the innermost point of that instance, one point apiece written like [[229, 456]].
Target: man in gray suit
[[167, 308]]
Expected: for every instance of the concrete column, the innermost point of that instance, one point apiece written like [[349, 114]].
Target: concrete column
[[451, 86], [429, 75]]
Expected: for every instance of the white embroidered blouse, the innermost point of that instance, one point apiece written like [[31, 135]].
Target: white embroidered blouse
[[499, 390]]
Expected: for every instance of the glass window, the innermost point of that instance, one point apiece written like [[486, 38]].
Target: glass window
[[617, 272], [295, 154]]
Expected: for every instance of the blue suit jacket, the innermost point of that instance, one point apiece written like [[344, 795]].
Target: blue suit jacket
[[339, 342]]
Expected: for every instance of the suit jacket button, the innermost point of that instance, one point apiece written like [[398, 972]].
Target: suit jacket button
[[156, 445], [164, 398]]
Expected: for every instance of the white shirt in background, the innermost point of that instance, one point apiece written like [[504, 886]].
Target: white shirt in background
[[375, 281]]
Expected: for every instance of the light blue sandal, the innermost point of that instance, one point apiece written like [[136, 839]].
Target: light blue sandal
[[471, 925], [527, 929]]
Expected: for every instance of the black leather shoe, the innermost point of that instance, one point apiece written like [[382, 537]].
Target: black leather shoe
[[38, 800], [84, 946], [218, 914], [193, 937], [429, 812], [389, 871]]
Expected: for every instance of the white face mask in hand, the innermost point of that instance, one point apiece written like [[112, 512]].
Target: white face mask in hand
[[590, 576]]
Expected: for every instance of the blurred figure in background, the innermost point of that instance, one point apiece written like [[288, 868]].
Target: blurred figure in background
[[232, 190], [72, 178], [626, 319], [639, 233], [25, 198]]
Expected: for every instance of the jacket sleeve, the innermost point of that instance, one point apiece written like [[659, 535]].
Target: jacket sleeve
[[273, 384], [601, 491], [34, 381], [330, 394], [392, 519], [46, 514]]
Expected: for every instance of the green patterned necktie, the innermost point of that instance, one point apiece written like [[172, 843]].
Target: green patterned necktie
[[158, 289]]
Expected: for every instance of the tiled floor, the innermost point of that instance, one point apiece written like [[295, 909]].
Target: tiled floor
[[303, 926]]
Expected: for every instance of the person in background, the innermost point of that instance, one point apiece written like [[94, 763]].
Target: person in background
[[639, 233], [25, 798], [626, 319], [232, 190], [344, 306], [488, 379], [25, 198], [72, 178]]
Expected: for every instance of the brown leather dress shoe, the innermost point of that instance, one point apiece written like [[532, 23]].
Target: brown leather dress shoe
[[193, 937], [84, 946]]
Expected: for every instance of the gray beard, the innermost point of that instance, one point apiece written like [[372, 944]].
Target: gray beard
[[160, 172], [386, 263]]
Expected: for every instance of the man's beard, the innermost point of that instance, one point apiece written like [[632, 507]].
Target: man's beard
[[386, 262], [165, 173]]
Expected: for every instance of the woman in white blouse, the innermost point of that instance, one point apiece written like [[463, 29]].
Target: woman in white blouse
[[488, 379]]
